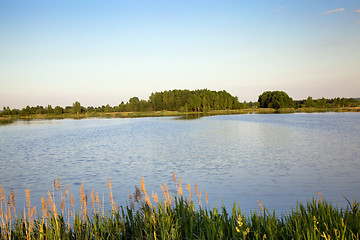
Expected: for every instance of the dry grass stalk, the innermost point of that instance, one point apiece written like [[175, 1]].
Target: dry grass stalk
[[113, 204], [200, 198], [31, 212], [206, 198], [320, 197], [189, 189], [174, 178], [54, 209], [2, 198], [260, 205], [92, 204], [58, 185], [97, 200], [28, 200], [137, 194], [83, 201], [51, 202], [72, 200], [131, 201], [196, 189], [109, 184], [12, 202], [2, 195], [167, 196], [44, 208], [179, 189], [72, 213], [155, 197], [146, 196]]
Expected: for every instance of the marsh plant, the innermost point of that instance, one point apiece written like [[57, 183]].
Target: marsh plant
[[183, 216]]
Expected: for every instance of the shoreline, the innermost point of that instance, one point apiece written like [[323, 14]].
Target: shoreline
[[11, 118]]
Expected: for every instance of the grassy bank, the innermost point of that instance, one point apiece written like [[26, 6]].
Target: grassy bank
[[10, 118], [173, 217]]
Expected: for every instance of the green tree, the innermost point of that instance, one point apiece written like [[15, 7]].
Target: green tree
[[58, 110], [309, 102], [275, 99], [133, 104], [6, 111], [76, 107], [321, 103], [49, 109]]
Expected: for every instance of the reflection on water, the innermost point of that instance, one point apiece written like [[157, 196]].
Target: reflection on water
[[277, 159]]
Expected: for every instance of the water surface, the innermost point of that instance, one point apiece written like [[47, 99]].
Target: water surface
[[276, 158]]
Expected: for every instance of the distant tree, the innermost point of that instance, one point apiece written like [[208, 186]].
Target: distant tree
[[6, 111], [133, 104], [58, 110], [309, 102], [108, 108], [275, 99], [122, 107], [321, 103], [40, 110], [90, 109], [76, 108], [49, 109], [14, 111]]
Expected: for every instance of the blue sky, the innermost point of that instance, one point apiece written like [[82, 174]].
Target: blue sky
[[104, 52]]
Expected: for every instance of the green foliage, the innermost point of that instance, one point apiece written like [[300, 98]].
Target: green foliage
[[58, 110], [193, 101], [309, 102], [76, 108], [186, 101], [181, 220], [175, 217], [275, 99], [322, 103]]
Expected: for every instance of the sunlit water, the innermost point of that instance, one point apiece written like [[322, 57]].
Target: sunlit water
[[276, 158]]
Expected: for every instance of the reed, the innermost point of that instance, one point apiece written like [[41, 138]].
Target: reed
[[173, 217]]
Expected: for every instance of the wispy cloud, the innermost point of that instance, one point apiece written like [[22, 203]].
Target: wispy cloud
[[279, 9], [357, 11], [334, 11], [357, 22]]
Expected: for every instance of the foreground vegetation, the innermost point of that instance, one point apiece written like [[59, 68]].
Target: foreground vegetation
[[175, 217]]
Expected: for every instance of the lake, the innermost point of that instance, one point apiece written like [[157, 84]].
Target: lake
[[276, 158]]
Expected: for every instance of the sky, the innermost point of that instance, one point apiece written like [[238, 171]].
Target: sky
[[104, 52]]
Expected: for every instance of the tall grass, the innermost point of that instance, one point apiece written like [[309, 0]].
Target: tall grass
[[184, 216]]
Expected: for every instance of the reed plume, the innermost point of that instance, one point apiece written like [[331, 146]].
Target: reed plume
[[155, 197], [320, 197], [83, 201], [113, 204], [166, 194], [146, 196], [174, 178], [189, 189], [260, 205], [30, 214], [92, 204], [200, 199], [196, 189], [179, 190], [12, 202], [44, 208]]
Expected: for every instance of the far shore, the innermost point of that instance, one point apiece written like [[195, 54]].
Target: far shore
[[10, 118]]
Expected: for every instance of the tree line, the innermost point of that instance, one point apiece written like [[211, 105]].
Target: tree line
[[280, 99], [173, 100], [203, 100]]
